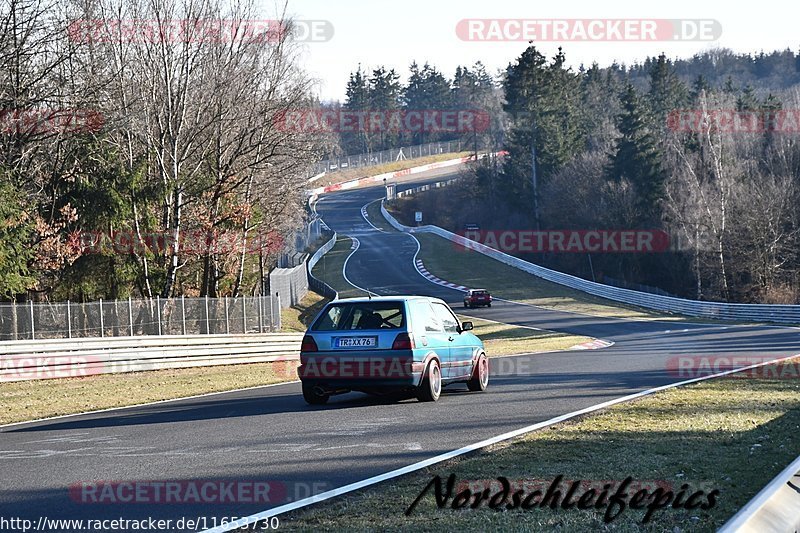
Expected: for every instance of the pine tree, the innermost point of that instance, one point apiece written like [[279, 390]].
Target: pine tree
[[475, 90], [543, 101], [699, 86], [357, 100], [637, 157], [667, 92], [427, 90], [729, 87], [747, 101], [384, 97]]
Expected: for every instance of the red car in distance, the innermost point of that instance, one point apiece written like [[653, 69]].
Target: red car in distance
[[477, 298]]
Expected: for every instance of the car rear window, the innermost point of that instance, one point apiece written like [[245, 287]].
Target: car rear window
[[480, 293], [363, 315]]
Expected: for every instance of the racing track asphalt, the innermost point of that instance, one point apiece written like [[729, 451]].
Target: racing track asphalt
[[270, 433]]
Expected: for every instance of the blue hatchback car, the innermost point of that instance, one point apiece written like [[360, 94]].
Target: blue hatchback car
[[378, 345]]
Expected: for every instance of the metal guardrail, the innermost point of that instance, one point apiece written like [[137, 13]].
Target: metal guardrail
[[316, 284], [775, 508], [426, 187], [781, 314], [60, 358]]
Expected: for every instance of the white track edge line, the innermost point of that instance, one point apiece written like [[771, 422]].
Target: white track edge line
[[469, 448], [357, 244], [364, 216]]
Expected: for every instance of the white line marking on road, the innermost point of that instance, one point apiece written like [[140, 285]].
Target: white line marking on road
[[467, 449], [366, 217], [355, 247]]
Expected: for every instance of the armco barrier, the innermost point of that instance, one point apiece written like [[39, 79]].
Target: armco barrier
[[781, 314], [54, 358], [316, 284], [775, 508]]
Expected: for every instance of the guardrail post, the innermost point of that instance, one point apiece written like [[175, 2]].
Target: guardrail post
[[69, 322], [227, 322], [183, 315], [130, 314], [33, 329], [208, 322], [278, 314], [158, 313], [271, 315], [244, 315], [261, 313], [102, 324]]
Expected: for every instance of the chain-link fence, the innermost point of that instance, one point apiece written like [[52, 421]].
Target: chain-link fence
[[389, 156], [120, 318]]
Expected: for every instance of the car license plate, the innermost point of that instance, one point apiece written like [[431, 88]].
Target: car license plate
[[355, 342]]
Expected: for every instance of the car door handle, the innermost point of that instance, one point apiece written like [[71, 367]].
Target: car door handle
[[450, 339]]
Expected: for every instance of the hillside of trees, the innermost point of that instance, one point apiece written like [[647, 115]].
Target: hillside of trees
[[609, 156]]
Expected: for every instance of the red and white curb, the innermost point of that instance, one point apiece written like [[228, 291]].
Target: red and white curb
[[593, 345], [433, 279]]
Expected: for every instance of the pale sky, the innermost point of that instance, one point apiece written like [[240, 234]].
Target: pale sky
[[395, 33]]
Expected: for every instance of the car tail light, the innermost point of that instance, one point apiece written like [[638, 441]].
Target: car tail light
[[309, 344], [404, 341]]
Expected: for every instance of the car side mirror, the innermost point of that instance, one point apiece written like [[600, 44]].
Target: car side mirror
[[467, 326]]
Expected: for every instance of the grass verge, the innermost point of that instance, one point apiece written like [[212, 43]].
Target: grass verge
[[502, 339], [732, 435], [296, 318], [473, 269], [329, 268], [376, 217], [29, 400], [341, 176]]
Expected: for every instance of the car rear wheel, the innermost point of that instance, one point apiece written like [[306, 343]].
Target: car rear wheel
[[488, 305], [431, 387], [312, 395], [480, 376], [465, 305]]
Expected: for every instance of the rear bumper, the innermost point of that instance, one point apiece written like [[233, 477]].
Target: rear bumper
[[369, 370]]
